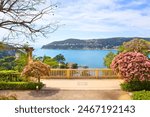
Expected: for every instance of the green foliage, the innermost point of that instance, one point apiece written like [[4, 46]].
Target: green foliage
[[7, 63], [71, 65], [60, 58], [63, 66], [20, 85], [11, 63], [141, 95], [135, 45], [108, 59], [10, 76], [10, 97], [121, 48], [21, 62], [50, 61], [55, 62], [136, 86], [74, 66]]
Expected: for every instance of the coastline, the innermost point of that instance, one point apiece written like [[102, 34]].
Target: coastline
[[75, 49]]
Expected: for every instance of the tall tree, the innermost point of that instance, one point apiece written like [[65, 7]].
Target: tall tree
[[108, 59], [24, 17], [60, 58], [135, 45]]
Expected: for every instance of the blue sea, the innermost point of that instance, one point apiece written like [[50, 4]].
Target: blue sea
[[90, 58]]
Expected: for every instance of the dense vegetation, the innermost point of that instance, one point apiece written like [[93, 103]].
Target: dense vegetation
[[13, 63], [20, 85], [135, 45], [136, 86], [57, 62], [49, 61], [16, 74], [10, 76], [141, 95], [108, 59]]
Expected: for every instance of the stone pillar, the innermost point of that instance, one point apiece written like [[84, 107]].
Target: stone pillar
[[29, 51], [96, 73], [68, 73]]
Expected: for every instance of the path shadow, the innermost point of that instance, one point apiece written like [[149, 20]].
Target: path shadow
[[44, 92]]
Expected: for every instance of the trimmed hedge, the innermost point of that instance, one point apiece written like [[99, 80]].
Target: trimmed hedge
[[10, 76], [136, 86], [141, 95], [20, 85]]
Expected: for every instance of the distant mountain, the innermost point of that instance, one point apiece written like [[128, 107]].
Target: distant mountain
[[107, 43]]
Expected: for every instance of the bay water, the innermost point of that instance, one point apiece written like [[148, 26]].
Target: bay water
[[90, 58]]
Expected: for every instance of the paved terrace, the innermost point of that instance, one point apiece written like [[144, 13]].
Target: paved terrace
[[74, 89], [82, 84]]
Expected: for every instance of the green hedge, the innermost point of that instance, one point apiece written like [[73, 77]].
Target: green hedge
[[20, 85], [10, 76], [136, 86], [141, 95]]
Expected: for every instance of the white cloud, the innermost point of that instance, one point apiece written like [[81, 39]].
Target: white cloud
[[103, 15]]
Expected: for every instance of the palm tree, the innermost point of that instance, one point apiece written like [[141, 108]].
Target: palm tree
[[60, 58]]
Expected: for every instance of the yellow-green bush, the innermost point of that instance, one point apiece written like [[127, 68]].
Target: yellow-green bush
[[141, 95], [20, 85], [10, 76]]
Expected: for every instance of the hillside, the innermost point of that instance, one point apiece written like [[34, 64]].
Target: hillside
[[9, 52], [107, 43]]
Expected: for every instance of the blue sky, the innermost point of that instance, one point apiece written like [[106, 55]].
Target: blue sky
[[85, 19]]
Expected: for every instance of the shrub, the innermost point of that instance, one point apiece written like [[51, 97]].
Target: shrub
[[7, 63], [36, 69], [132, 66], [136, 86], [10, 75], [108, 59], [20, 62], [50, 61], [20, 85], [10, 97], [135, 45], [141, 95]]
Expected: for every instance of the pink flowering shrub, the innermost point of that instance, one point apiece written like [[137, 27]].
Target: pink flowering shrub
[[132, 66]]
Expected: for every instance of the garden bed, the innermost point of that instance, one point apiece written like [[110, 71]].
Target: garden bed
[[10, 76], [20, 85], [136, 86], [141, 95]]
